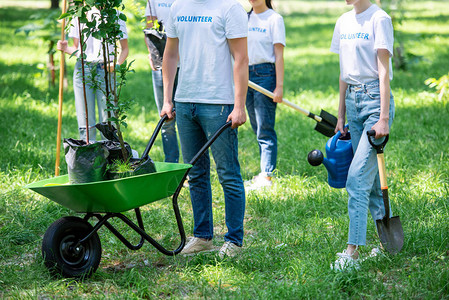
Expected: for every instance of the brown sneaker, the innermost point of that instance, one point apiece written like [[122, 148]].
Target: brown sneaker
[[196, 245], [229, 249]]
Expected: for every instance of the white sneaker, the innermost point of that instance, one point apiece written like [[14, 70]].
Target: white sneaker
[[345, 262], [375, 252], [229, 249], [258, 182], [196, 245]]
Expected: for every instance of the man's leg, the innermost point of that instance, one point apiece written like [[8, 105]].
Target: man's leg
[[192, 139], [225, 153]]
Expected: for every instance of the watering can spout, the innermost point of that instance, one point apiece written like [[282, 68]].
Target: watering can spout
[[317, 158], [330, 166]]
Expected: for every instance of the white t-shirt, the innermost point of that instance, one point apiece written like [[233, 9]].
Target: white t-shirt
[[356, 39], [203, 27], [159, 9], [264, 30], [94, 49]]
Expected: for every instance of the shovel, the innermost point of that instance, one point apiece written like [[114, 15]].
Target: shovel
[[326, 122], [390, 230]]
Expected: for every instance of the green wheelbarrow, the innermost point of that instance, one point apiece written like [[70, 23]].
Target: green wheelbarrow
[[71, 246]]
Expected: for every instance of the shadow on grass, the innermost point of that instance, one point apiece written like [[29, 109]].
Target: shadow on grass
[[27, 143], [18, 79]]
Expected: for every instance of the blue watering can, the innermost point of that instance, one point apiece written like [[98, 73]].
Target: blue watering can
[[339, 156]]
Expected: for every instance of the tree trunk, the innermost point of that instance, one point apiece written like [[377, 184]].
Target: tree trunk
[[54, 4]]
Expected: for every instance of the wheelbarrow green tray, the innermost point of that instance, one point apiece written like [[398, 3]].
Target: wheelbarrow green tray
[[117, 195]]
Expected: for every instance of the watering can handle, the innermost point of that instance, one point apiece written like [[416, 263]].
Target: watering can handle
[[335, 139], [379, 147]]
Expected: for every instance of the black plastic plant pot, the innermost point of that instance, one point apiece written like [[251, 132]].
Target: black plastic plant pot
[[85, 162]]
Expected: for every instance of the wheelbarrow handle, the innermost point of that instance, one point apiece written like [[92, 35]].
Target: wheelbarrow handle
[[153, 137], [210, 141]]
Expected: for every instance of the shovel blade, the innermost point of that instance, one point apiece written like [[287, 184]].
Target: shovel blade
[[391, 234], [327, 124]]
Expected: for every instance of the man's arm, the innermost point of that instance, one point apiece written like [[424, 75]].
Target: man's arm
[[169, 66], [239, 50]]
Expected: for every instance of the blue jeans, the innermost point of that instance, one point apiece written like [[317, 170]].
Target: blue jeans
[[91, 96], [168, 130], [363, 184], [196, 124], [262, 113]]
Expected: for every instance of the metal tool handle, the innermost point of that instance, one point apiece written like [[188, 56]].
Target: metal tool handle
[[379, 147], [153, 137]]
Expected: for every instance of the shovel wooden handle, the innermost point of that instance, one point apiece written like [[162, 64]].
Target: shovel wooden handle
[[61, 94], [285, 101], [382, 170]]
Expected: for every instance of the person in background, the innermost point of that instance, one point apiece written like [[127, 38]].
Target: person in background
[[363, 38], [94, 59], [266, 42], [159, 10], [211, 91]]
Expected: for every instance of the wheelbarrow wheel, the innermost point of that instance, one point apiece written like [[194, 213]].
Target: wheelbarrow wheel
[[62, 255]]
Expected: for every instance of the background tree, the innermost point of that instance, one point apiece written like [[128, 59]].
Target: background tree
[[44, 26], [54, 4]]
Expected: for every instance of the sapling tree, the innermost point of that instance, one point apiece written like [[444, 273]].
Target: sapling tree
[[109, 32], [99, 19], [79, 10]]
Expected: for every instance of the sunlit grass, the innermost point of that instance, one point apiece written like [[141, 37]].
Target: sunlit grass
[[292, 231]]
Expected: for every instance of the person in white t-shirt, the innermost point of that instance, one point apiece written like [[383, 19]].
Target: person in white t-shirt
[[159, 10], [363, 38], [206, 35], [266, 42], [94, 59]]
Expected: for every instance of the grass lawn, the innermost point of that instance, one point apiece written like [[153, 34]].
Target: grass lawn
[[293, 230]]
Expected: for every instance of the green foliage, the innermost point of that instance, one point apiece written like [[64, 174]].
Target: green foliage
[[135, 11], [441, 85], [44, 26], [292, 231], [120, 108], [104, 26], [119, 166]]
